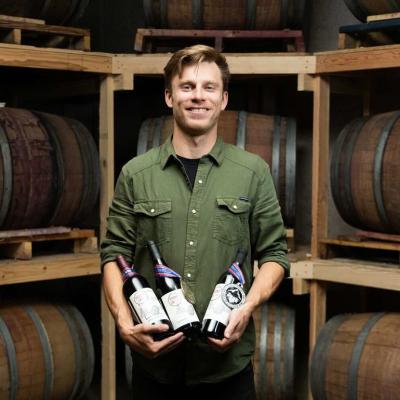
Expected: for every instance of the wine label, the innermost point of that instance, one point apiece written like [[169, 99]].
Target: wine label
[[233, 295], [217, 309], [179, 310], [147, 307]]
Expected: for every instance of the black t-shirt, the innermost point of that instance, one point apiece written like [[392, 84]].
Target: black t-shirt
[[190, 165]]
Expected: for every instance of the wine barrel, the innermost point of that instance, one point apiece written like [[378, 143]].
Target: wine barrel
[[364, 173], [52, 11], [49, 170], [273, 138], [274, 356], [357, 357], [362, 8], [46, 351], [224, 14]]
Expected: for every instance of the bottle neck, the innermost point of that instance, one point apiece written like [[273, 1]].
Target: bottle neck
[[127, 271]]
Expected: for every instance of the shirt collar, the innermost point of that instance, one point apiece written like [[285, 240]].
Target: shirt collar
[[167, 152]]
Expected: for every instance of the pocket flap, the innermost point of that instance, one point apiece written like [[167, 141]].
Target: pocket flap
[[233, 204], [152, 208]]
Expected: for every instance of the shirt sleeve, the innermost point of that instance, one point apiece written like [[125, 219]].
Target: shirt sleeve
[[268, 233], [120, 236]]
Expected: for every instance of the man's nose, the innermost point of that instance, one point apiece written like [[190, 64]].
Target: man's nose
[[198, 93]]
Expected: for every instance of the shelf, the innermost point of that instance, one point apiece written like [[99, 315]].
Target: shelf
[[49, 267], [358, 59], [243, 63], [56, 59], [384, 276]]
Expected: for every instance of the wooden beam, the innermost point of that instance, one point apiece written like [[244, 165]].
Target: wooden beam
[[106, 150], [320, 164], [317, 315], [381, 17], [123, 82], [56, 59], [360, 59], [49, 267], [352, 272], [305, 83], [245, 64], [300, 286]]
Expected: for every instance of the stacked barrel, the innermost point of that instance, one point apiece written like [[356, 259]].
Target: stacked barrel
[[49, 170]]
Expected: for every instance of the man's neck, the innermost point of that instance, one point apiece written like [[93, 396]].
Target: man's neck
[[193, 146]]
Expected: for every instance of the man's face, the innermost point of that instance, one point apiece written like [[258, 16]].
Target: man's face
[[197, 98]]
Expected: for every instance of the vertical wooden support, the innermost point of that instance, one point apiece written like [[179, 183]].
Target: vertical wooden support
[[320, 179], [106, 150], [320, 165], [317, 315]]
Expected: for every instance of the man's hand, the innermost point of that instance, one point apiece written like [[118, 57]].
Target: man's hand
[[238, 321], [139, 338]]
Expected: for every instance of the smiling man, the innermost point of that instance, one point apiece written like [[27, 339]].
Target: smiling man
[[200, 200]]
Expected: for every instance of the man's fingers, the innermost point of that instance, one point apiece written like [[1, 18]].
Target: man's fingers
[[150, 328]]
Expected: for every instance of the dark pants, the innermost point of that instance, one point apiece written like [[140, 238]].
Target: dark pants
[[236, 387]]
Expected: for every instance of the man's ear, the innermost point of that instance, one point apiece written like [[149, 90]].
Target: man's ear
[[224, 100], [168, 98]]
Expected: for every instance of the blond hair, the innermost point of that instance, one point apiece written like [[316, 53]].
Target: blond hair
[[194, 55]]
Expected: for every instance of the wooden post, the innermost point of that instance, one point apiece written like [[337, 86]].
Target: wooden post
[[320, 165], [106, 150]]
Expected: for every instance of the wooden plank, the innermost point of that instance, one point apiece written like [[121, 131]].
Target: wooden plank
[[305, 83], [361, 59], [12, 18], [317, 315], [56, 59], [378, 235], [86, 245], [32, 232], [245, 64], [320, 164], [61, 30], [40, 237], [384, 276], [18, 251], [48, 267], [367, 244], [300, 286], [106, 150], [381, 17]]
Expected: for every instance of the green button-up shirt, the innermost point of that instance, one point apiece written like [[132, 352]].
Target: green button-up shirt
[[198, 229]]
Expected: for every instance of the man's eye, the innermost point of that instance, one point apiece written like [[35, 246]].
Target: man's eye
[[186, 87], [210, 87]]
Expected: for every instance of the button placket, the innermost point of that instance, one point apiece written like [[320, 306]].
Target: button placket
[[193, 216]]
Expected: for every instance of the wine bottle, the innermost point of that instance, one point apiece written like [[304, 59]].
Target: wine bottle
[[142, 300], [168, 282], [228, 294]]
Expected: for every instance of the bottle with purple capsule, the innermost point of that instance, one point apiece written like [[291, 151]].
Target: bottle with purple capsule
[[142, 300], [228, 295], [168, 282]]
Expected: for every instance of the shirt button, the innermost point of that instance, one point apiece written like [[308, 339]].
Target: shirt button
[[235, 206], [194, 211], [189, 275], [200, 181], [191, 243], [152, 210]]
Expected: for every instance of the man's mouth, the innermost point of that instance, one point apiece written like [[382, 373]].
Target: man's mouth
[[197, 109]]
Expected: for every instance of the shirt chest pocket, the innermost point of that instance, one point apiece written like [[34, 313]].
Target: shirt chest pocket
[[154, 221], [231, 220]]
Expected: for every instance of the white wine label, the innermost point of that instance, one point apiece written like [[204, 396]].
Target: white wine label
[[217, 310], [233, 295], [147, 307], [179, 310]]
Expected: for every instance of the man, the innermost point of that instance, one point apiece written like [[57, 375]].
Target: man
[[200, 200]]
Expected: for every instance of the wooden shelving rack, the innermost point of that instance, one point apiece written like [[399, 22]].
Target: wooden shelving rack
[[329, 69], [315, 73]]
